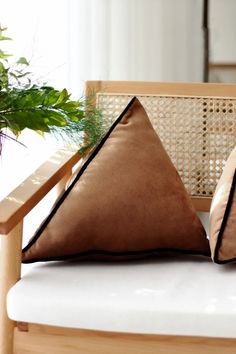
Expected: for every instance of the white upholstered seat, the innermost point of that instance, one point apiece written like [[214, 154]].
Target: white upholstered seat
[[182, 295], [173, 294]]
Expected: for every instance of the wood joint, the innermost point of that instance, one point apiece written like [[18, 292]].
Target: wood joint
[[22, 326]]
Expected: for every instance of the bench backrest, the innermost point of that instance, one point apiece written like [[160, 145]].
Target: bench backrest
[[196, 123]]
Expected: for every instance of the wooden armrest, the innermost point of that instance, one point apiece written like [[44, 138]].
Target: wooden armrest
[[23, 199]]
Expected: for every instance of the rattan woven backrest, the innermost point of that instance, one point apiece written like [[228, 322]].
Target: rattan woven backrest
[[197, 132]]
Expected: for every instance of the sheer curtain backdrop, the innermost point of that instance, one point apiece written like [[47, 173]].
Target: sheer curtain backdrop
[[71, 41], [153, 40]]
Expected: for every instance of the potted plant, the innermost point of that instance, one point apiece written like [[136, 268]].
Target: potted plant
[[42, 108]]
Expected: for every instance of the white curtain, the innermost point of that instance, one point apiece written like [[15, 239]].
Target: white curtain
[[71, 41], [153, 40]]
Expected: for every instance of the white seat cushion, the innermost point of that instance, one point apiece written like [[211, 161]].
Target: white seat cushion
[[177, 295]]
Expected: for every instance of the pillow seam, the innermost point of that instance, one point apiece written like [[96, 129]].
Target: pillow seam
[[145, 253]]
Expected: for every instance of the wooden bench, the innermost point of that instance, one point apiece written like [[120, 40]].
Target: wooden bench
[[197, 124]]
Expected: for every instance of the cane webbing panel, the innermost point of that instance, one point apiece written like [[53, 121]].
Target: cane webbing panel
[[198, 133]]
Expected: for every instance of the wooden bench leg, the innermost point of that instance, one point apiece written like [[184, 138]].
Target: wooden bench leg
[[10, 269]]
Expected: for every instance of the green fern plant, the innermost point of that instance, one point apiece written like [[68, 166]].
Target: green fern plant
[[42, 108]]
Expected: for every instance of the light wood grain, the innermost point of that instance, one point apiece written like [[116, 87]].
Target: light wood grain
[[222, 65], [62, 184], [163, 88], [10, 266], [24, 198], [52, 340]]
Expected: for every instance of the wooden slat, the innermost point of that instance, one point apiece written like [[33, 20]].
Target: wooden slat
[[163, 88], [17, 204], [45, 339], [222, 65]]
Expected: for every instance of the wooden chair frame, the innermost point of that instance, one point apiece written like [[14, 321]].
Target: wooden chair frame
[[36, 338]]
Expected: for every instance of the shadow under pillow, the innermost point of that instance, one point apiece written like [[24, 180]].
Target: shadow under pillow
[[127, 201]]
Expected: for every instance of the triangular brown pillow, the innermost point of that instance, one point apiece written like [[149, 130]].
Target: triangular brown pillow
[[127, 201]]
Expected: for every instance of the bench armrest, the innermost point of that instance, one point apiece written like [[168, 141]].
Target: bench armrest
[[13, 209], [15, 206]]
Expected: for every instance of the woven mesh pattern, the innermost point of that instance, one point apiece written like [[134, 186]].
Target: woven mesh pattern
[[198, 133]]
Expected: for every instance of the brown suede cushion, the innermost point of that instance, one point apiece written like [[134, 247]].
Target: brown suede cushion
[[127, 201], [223, 215]]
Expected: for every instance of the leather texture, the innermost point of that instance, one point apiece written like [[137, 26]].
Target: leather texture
[[223, 215], [128, 201]]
